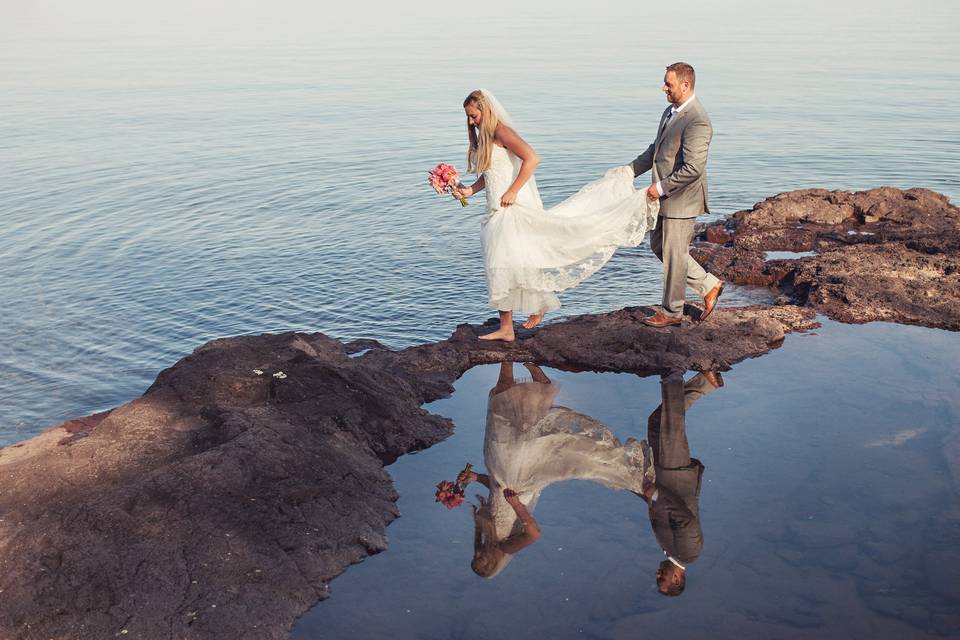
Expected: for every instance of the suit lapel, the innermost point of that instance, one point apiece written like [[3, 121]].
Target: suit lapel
[[667, 127], [663, 125], [677, 117], [656, 143], [675, 120]]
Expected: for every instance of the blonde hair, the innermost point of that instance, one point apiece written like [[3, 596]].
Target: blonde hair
[[486, 548], [481, 138]]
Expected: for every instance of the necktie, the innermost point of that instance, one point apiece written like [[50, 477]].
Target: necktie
[[666, 121]]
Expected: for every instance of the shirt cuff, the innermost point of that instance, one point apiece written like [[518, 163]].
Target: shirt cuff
[[656, 494], [660, 189]]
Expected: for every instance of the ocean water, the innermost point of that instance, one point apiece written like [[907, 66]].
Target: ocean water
[[176, 172]]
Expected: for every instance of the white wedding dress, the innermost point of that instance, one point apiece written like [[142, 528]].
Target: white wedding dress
[[531, 253], [530, 444]]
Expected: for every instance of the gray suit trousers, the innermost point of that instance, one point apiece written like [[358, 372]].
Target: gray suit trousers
[[667, 426], [675, 515], [670, 242]]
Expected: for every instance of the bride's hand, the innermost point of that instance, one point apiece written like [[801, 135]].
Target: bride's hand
[[464, 479], [462, 191], [508, 198]]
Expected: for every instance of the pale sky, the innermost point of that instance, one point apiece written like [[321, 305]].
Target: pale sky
[[292, 19]]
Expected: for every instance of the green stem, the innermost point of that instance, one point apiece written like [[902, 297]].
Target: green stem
[[463, 201]]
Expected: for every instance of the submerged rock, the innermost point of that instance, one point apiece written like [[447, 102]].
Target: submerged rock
[[222, 502], [883, 254]]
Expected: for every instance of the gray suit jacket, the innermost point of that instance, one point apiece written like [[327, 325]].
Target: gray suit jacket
[[678, 157], [676, 523], [675, 516]]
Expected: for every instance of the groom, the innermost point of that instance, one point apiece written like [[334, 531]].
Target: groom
[[674, 499], [678, 157]]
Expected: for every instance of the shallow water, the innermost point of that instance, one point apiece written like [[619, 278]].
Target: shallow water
[[788, 255], [828, 509], [176, 172]]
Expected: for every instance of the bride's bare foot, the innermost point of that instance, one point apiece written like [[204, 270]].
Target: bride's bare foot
[[504, 333], [533, 320]]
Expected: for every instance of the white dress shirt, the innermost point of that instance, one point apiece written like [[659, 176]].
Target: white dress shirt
[[673, 560]]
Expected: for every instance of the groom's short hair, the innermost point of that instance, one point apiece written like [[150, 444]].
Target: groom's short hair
[[684, 72]]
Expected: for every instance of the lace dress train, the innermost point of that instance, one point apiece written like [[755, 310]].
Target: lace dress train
[[531, 253], [530, 444]]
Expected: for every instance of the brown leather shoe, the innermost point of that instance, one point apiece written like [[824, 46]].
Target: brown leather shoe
[[660, 319], [710, 300], [713, 377]]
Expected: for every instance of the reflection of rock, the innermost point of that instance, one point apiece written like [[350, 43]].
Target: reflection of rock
[[883, 254], [222, 502]]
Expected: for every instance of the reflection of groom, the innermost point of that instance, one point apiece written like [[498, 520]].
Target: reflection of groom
[[678, 158], [674, 500]]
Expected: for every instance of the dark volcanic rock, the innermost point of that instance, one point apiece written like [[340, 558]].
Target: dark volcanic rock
[[883, 254], [222, 502]]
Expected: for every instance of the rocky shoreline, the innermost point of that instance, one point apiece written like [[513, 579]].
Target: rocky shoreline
[[883, 254], [223, 501]]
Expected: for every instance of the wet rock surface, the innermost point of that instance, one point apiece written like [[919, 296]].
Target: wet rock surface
[[222, 502], [883, 254]]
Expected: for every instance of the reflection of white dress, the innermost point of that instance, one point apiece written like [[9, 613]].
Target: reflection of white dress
[[530, 444], [531, 253]]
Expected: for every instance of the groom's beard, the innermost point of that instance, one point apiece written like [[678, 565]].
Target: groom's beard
[[676, 101]]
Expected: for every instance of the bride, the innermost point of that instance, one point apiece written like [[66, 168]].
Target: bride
[[530, 253], [529, 444]]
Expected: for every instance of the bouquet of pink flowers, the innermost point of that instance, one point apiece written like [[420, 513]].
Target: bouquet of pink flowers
[[444, 178], [450, 494]]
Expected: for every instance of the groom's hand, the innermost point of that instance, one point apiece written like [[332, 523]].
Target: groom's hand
[[652, 192]]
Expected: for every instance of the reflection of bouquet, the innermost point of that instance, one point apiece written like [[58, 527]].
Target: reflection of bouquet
[[450, 494], [444, 178]]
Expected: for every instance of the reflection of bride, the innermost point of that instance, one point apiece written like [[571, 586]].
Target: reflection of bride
[[530, 444]]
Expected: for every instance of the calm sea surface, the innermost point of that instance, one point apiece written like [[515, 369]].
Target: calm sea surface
[[175, 173]]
